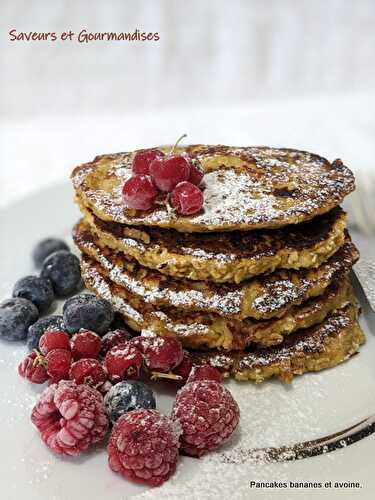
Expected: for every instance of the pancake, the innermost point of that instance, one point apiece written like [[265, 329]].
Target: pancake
[[225, 257], [202, 330], [322, 346], [263, 297], [245, 188]]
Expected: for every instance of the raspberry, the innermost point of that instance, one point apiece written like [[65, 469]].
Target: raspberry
[[161, 353], [70, 417], [168, 172], [142, 160], [33, 368], [208, 415], [196, 171], [58, 364], [85, 344], [143, 447], [123, 361], [187, 198], [184, 368], [54, 340], [113, 338], [205, 372], [139, 192], [88, 371]]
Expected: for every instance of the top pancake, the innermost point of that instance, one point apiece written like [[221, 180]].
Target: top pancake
[[245, 188]]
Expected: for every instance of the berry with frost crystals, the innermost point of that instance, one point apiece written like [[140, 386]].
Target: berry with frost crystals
[[115, 337], [54, 340], [85, 344], [142, 160], [205, 372], [58, 364], [161, 353], [70, 417], [143, 447], [33, 368], [187, 198], [88, 371], [208, 415], [124, 361], [139, 192]]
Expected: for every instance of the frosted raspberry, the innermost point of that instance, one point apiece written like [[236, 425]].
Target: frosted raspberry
[[54, 340], [33, 368], [124, 361], [85, 344], [161, 353], [205, 372], [143, 447], [70, 417], [88, 371], [113, 338], [208, 415]]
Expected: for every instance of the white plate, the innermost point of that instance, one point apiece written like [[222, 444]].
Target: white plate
[[273, 415]]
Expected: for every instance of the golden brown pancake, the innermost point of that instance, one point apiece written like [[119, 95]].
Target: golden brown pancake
[[245, 188], [222, 257], [322, 346], [263, 297], [200, 330]]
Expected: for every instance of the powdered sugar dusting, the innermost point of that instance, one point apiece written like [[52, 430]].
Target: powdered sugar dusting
[[242, 192], [102, 288], [227, 303]]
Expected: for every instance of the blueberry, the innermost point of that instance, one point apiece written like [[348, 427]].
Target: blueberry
[[89, 312], [126, 396], [38, 290], [16, 315], [37, 329], [45, 247], [63, 269]]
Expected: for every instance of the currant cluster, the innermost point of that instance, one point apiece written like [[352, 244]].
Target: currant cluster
[[155, 173]]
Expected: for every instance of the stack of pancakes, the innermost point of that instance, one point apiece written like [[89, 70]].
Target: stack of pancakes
[[256, 284]]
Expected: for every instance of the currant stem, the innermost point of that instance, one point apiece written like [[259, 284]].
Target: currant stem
[[176, 144], [171, 376]]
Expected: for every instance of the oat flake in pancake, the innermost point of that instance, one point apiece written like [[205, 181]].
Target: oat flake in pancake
[[260, 298], [245, 188], [322, 346], [228, 256]]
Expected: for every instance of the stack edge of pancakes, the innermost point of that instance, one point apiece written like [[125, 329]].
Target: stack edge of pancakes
[[256, 284]]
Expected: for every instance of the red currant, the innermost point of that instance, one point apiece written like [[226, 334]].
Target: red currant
[[58, 364], [204, 372], [187, 198], [196, 171], [184, 368], [88, 371], [162, 353], [113, 338], [85, 344], [168, 172], [124, 361], [142, 160], [54, 340], [33, 368], [139, 192]]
